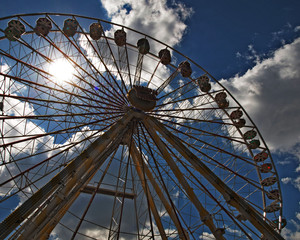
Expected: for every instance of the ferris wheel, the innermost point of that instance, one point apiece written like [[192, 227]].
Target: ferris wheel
[[108, 133]]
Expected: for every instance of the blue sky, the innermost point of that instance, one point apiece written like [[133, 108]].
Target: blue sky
[[241, 43]]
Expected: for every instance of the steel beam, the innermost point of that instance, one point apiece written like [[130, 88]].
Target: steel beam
[[139, 166], [142, 167], [51, 215], [204, 214], [105, 191], [86, 158], [229, 195]]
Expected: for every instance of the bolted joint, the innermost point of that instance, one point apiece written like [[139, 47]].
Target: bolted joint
[[60, 195], [228, 198], [206, 218]]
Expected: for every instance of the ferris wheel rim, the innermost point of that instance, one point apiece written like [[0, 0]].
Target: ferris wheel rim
[[239, 106]]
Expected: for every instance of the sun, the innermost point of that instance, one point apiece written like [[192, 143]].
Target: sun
[[61, 70]]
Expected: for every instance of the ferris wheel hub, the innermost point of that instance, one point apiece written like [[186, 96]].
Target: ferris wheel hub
[[143, 98]]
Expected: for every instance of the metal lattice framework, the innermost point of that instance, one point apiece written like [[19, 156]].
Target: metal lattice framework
[[108, 133]]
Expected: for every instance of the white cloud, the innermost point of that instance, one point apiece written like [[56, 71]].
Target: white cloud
[[292, 235], [286, 180], [296, 183], [152, 17], [254, 56], [296, 29], [270, 94], [207, 236]]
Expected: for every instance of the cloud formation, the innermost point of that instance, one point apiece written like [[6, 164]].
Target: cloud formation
[[269, 92], [152, 17]]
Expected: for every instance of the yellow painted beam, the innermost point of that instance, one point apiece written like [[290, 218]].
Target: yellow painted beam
[[140, 167], [75, 168], [229, 195], [204, 214]]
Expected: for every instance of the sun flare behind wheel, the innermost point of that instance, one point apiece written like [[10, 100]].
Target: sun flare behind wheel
[[107, 133], [61, 70]]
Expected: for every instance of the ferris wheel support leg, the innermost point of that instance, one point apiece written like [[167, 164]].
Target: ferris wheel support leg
[[148, 194], [63, 202], [91, 154], [229, 195], [140, 168], [204, 214]]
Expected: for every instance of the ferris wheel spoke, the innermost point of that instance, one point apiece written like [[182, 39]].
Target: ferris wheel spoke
[[143, 170], [169, 205], [34, 68], [96, 190], [179, 99], [153, 73], [25, 44], [128, 65], [141, 167], [202, 211], [138, 69], [79, 96], [106, 95], [30, 83], [50, 133], [124, 65], [123, 99], [243, 158], [201, 120], [207, 192], [50, 116], [105, 139], [203, 131], [104, 64], [189, 109], [230, 196], [167, 81], [81, 78], [28, 133], [217, 163], [184, 165], [11, 188], [41, 164], [33, 100], [114, 61], [23, 80], [118, 205], [64, 148], [146, 193], [178, 89], [49, 221], [135, 193]]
